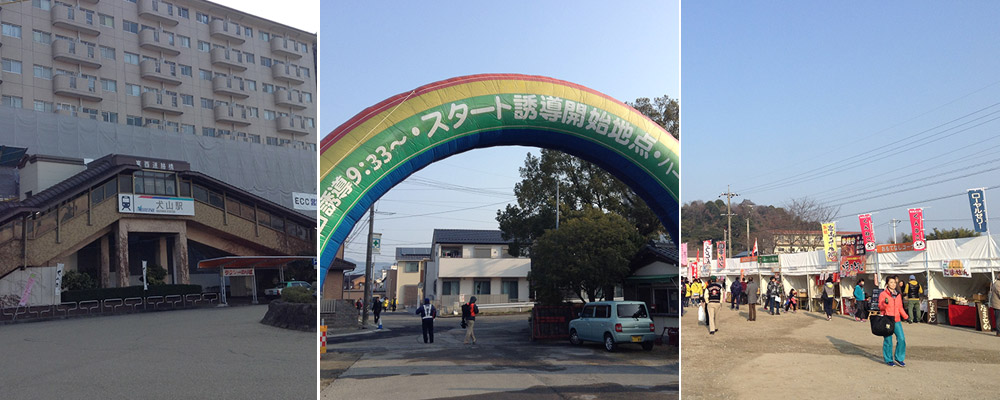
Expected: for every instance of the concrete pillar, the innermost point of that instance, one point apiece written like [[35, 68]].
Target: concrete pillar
[[105, 261], [181, 259], [122, 243]]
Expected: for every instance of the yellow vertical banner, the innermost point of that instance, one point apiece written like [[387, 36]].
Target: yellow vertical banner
[[830, 241]]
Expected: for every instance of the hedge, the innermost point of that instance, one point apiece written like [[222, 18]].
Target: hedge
[[129, 291]]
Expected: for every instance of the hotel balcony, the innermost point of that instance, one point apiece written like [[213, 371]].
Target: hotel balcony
[[153, 70], [158, 11], [232, 115], [284, 47], [283, 72], [153, 40], [295, 126], [75, 53], [287, 98], [158, 102], [224, 30], [229, 87], [90, 1], [71, 86], [70, 18], [223, 58]]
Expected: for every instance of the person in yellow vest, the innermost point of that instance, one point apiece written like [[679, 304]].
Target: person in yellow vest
[[696, 290], [913, 291]]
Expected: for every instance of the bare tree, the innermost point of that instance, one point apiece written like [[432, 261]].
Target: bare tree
[[811, 210]]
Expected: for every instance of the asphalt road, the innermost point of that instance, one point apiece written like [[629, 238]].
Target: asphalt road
[[188, 354], [502, 365]]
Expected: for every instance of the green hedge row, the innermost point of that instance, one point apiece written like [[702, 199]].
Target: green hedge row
[[130, 291]]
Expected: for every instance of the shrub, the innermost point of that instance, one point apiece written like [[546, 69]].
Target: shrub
[[129, 291], [76, 280], [156, 274], [297, 295]]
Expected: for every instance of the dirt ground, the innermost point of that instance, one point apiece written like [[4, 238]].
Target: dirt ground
[[803, 355]]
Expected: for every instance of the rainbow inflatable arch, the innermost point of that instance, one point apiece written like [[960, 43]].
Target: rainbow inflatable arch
[[384, 144]]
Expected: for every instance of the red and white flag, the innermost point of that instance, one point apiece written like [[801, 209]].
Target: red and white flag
[[867, 232], [755, 252], [917, 226]]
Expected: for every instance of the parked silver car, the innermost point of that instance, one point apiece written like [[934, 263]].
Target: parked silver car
[[613, 323]]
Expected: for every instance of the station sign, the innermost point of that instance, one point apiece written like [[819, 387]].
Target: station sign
[[157, 205]]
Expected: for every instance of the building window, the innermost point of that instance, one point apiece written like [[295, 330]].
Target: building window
[[42, 4], [254, 139], [92, 113], [411, 267], [109, 116], [203, 18], [107, 20], [131, 58], [43, 106], [183, 12], [248, 32], [207, 103], [149, 182], [108, 52], [251, 85], [12, 66], [132, 120], [268, 88], [310, 122], [265, 61], [41, 37], [451, 251], [187, 99], [449, 287], [109, 85], [205, 75], [482, 252], [253, 112], [11, 30], [185, 70], [307, 97], [509, 288], [250, 58], [265, 36], [269, 115], [132, 90], [481, 286], [43, 72], [11, 101], [204, 46], [130, 26], [206, 131], [273, 141]]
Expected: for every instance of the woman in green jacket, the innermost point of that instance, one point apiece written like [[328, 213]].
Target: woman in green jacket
[[860, 305]]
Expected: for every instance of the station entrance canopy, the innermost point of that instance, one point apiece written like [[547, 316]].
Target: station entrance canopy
[[248, 262]]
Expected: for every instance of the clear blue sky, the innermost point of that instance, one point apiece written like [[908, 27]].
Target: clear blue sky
[[373, 50], [775, 89]]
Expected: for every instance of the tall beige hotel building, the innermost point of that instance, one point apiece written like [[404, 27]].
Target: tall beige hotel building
[[231, 93]]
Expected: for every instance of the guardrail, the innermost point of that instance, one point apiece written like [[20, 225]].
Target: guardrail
[[108, 306]]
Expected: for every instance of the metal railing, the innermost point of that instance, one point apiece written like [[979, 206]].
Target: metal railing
[[109, 306]]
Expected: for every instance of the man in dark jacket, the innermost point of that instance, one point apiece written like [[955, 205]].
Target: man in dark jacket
[[427, 313], [469, 311], [735, 291], [752, 299], [377, 310], [713, 295]]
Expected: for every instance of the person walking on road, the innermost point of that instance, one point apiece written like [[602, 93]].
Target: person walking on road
[[377, 310], [828, 295], [860, 305], [469, 311], [713, 298], [427, 313], [752, 298], [890, 303], [995, 303], [696, 290], [913, 291], [393, 304], [736, 291]]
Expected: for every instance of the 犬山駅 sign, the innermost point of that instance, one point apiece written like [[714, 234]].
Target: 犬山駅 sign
[[158, 205], [892, 248], [955, 269], [237, 272]]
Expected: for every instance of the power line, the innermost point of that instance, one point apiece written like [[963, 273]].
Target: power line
[[912, 203]]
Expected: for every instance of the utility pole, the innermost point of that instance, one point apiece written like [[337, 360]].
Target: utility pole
[[894, 222], [729, 216], [557, 204], [368, 267]]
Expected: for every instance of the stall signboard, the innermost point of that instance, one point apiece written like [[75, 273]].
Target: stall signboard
[[867, 232], [238, 272], [722, 255], [830, 241], [873, 301], [955, 269], [852, 245], [852, 265], [707, 246], [977, 201], [748, 259], [769, 259], [917, 227], [892, 248]]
